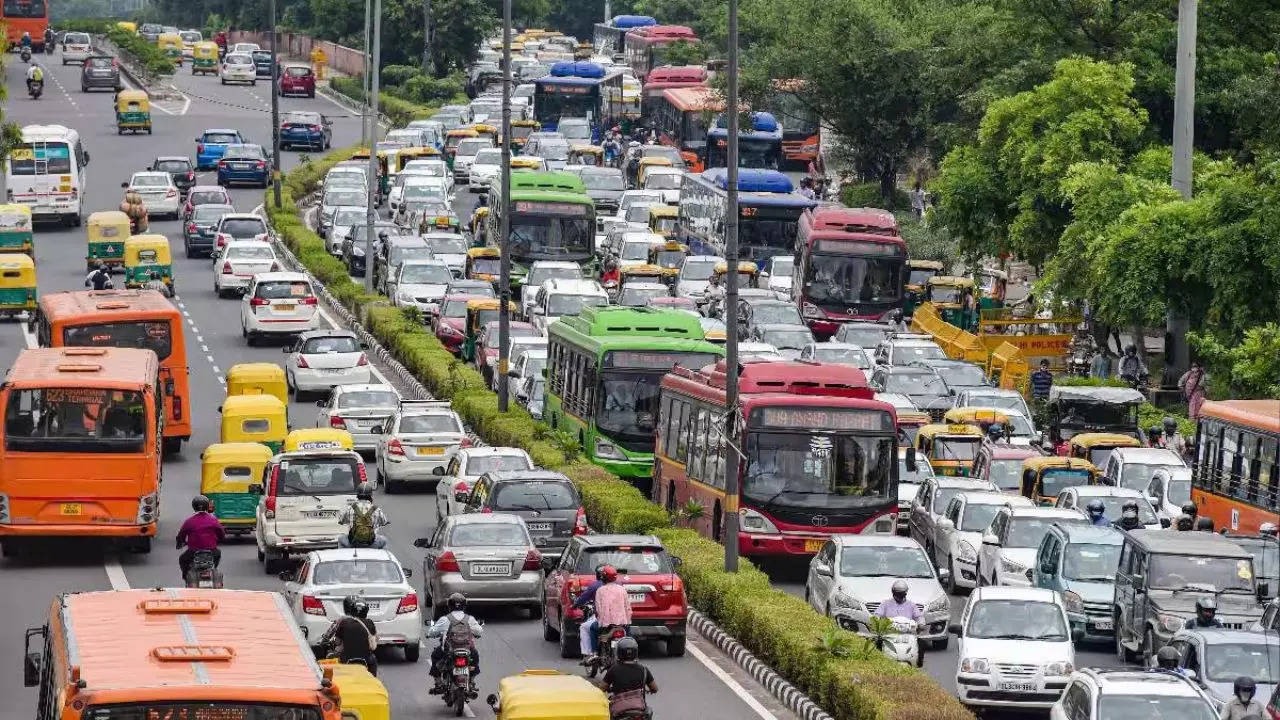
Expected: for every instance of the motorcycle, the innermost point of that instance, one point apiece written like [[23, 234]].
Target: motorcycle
[[203, 572], [630, 705], [35, 89], [604, 659], [900, 642], [25, 54], [49, 47], [454, 682]]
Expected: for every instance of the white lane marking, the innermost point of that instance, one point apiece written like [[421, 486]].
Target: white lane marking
[[115, 574], [732, 684], [467, 711]]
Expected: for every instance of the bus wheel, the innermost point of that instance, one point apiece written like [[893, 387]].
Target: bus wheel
[[172, 445], [141, 546]]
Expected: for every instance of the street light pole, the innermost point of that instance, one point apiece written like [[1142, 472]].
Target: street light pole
[[1176, 353], [275, 111], [504, 215], [364, 79], [729, 528], [371, 212]]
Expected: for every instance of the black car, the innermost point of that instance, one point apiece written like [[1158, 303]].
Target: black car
[[180, 168], [548, 502], [262, 61], [100, 72], [353, 244], [199, 229]]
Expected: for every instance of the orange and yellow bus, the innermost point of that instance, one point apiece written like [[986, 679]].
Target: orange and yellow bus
[[81, 454], [175, 654], [29, 16], [1235, 473], [126, 318]]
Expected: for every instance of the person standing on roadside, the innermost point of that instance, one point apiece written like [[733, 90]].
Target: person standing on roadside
[[1192, 385], [1041, 382], [917, 201]]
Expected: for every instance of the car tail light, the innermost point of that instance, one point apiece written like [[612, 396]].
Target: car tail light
[[461, 661], [395, 448], [580, 522], [364, 360], [191, 227], [308, 300], [191, 175], [575, 613], [226, 270], [199, 147], [312, 606], [532, 560], [408, 604], [177, 407], [302, 362], [222, 163], [313, 128], [675, 584], [270, 504], [259, 302], [447, 563], [337, 422], [364, 475], [486, 510], [262, 165]]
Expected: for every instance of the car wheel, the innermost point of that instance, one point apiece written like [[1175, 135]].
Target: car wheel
[[269, 564], [568, 646], [1148, 649], [950, 587], [224, 80], [411, 653], [261, 556]]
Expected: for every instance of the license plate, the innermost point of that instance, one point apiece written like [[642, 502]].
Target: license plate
[[335, 371], [1101, 624], [1018, 686], [539, 527], [206, 583], [243, 166], [320, 513], [374, 606], [462, 671], [72, 509], [636, 597], [813, 546], [430, 451], [490, 568], [283, 308]]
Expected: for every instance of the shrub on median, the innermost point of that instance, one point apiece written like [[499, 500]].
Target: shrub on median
[[149, 58]]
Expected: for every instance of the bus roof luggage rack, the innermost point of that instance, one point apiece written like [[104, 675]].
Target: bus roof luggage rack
[[751, 180]]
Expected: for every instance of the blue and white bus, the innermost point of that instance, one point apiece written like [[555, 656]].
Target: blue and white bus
[[579, 90], [769, 212], [760, 146]]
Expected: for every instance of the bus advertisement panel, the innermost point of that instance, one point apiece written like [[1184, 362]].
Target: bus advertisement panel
[[1235, 473], [851, 266], [818, 454], [768, 213], [645, 46]]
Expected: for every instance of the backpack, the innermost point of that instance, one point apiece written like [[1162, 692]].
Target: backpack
[[458, 634], [363, 531]]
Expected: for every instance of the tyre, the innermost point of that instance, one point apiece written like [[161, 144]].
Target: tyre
[[535, 610], [187, 247], [224, 80], [943, 643], [172, 445], [549, 633], [411, 653], [675, 646], [460, 703], [141, 546], [950, 586], [1148, 649], [568, 645]]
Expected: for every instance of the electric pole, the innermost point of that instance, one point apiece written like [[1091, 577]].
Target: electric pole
[[428, 33], [275, 111], [504, 215], [729, 527], [1177, 356], [371, 211]]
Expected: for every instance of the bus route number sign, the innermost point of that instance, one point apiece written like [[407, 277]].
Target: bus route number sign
[[810, 418], [656, 360], [546, 208]]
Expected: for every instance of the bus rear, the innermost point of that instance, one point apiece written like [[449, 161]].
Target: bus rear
[[25, 16], [759, 146], [81, 454], [801, 126], [644, 46], [851, 267]]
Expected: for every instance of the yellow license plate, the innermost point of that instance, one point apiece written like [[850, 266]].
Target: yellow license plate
[[283, 308], [813, 546], [72, 509], [430, 451]]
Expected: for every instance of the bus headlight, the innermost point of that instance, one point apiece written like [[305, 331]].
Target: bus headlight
[[750, 521], [606, 450]]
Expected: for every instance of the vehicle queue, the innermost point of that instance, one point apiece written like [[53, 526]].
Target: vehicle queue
[[314, 489]]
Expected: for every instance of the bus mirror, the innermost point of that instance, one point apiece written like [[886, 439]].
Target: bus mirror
[[31, 670]]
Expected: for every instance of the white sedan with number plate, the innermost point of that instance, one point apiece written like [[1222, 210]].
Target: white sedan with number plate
[[321, 360], [360, 410], [239, 262], [159, 195], [416, 443]]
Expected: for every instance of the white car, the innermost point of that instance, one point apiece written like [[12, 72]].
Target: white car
[[418, 190], [748, 350], [419, 283], [466, 466], [635, 248], [838, 353], [636, 197], [303, 497], [529, 363], [1009, 544], [1169, 490], [238, 262], [321, 360], [666, 182], [853, 574], [76, 47], [465, 153], [1102, 694], [316, 590], [695, 274], [430, 167], [958, 533], [238, 67], [993, 398], [932, 500], [1015, 649], [1078, 497], [485, 168], [159, 195], [417, 442], [775, 275], [361, 410], [1134, 467], [278, 304], [238, 226], [344, 218], [432, 186], [540, 271], [559, 298], [244, 47], [334, 198]]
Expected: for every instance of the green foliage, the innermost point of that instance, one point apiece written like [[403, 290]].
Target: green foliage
[[835, 643], [95, 25], [144, 55], [685, 53], [867, 194], [1249, 369]]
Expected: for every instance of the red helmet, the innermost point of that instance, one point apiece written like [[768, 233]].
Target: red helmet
[[608, 573]]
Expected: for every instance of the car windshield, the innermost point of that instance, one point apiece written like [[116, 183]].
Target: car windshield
[[638, 213], [1266, 557], [539, 274], [635, 250], [1006, 473], [368, 399], [1179, 572], [567, 305], [488, 534], [943, 496], [603, 181], [425, 274], [180, 165], [75, 39], [318, 475], [1027, 532], [906, 490], [1137, 476], [956, 447], [479, 465], [243, 227], [237, 251], [553, 149], [697, 269], [209, 215], [627, 560], [534, 495], [1224, 662], [662, 181], [344, 196], [790, 339], [1017, 620], [1158, 707], [102, 63], [297, 71], [349, 216], [326, 345], [1091, 562], [998, 401], [914, 383], [489, 156], [923, 471], [355, 572], [860, 336], [884, 561], [906, 354], [1179, 491], [151, 181], [775, 314], [662, 151], [575, 129], [819, 469], [470, 146], [433, 423], [962, 375], [843, 356], [447, 246], [978, 517]]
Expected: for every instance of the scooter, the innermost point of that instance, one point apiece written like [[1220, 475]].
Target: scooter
[[900, 643], [203, 572], [35, 89]]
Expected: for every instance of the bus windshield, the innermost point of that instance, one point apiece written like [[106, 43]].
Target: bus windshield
[[70, 419], [833, 470], [551, 238], [751, 154], [761, 239], [145, 334], [840, 281]]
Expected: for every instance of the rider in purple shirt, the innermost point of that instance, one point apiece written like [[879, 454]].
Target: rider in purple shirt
[[201, 531], [898, 606]]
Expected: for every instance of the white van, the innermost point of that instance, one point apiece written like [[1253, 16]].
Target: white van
[[46, 172], [303, 494]]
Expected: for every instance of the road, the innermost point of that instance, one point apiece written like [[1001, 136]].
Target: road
[[27, 585]]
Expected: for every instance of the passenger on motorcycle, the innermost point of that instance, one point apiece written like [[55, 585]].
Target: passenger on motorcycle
[[26, 40], [1132, 370], [455, 629], [201, 531], [1206, 614], [626, 682], [587, 639], [897, 606], [613, 607], [1129, 516], [353, 637], [35, 75], [1097, 512], [365, 520]]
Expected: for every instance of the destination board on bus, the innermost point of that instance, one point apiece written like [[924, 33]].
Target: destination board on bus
[[199, 711], [858, 247], [656, 359], [552, 89], [770, 212], [551, 208], [815, 418]]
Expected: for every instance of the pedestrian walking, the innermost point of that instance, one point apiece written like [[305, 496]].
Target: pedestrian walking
[[1192, 385], [1041, 382], [917, 201]]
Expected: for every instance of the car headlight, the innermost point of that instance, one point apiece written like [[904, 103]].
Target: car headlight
[[1059, 668], [938, 604], [975, 665], [1073, 601], [848, 602], [965, 551], [406, 297], [1010, 566], [608, 451], [1171, 623]]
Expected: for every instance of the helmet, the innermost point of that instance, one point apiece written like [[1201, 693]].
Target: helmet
[[349, 604], [1096, 507], [364, 491], [1245, 686], [457, 601], [1267, 528], [359, 608], [626, 649], [1184, 522], [1204, 523], [1130, 349], [200, 503], [995, 431], [899, 590], [1170, 425], [896, 314], [1167, 658], [607, 573], [1189, 509], [1130, 507], [1206, 607]]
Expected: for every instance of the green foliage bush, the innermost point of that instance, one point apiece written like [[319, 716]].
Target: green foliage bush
[[867, 194], [94, 26], [143, 54], [419, 98]]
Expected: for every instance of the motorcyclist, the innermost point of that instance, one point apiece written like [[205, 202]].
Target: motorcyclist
[[1131, 368], [1173, 439], [365, 520], [1129, 516], [35, 76], [201, 531], [48, 40], [456, 629], [1167, 659], [133, 206], [1206, 614], [1184, 523], [1242, 706], [99, 278], [712, 294], [1190, 509], [1204, 524], [353, 636], [1155, 437], [806, 188], [613, 606], [25, 42], [897, 606], [897, 322], [587, 637], [1097, 512], [627, 680]]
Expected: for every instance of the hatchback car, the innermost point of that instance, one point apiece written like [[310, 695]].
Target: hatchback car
[[838, 353], [352, 249], [200, 227], [262, 63], [921, 385], [638, 294], [159, 195], [100, 72], [238, 262], [548, 501], [211, 145], [321, 360], [306, 129], [486, 167], [1009, 544], [361, 410], [416, 443], [466, 466], [1080, 561], [528, 363], [931, 502], [343, 219], [204, 195], [788, 339], [1104, 693], [906, 348], [238, 226], [490, 558], [316, 589], [244, 165], [418, 283], [390, 255], [278, 304], [958, 533], [180, 170], [297, 80], [645, 569], [333, 198], [240, 68], [1134, 467]]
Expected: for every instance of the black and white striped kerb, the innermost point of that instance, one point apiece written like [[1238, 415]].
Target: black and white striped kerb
[[785, 692]]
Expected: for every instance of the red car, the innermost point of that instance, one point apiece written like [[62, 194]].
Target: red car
[[646, 569], [449, 322], [486, 358], [297, 80]]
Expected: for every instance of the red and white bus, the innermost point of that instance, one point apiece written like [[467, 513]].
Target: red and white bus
[[815, 454], [668, 77], [682, 117], [644, 46], [29, 16], [849, 266]]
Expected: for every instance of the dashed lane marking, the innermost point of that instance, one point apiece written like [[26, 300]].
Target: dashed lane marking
[[730, 683], [115, 574]]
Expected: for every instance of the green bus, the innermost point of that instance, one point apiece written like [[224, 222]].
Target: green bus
[[603, 373], [552, 218]]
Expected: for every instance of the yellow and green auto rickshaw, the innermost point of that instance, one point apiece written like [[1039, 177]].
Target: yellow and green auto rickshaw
[[643, 274], [486, 130], [16, 232], [384, 178], [586, 155], [451, 140], [950, 448], [662, 220], [1043, 478], [254, 418], [477, 225], [520, 132], [1096, 447], [107, 232], [548, 695], [747, 273], [127, 26], [483, 263], [364, 697], [133, 112], [17, 284], [529, 163], [992, 286], [918, 274], [171, 45], [982, 417], [146, 260], [259, 378], [204, 58], [480, 312], [318, 439], [227, 470], [649, 162], [953, 297]]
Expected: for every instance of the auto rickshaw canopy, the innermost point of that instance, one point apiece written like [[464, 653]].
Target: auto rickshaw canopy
[[261, 378], [363, 695], [149, 249], [982, 417], [132, 101], [550, 695], [1034, 470], [254, 418]]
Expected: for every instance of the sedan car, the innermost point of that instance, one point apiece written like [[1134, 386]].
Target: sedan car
[[418, 283], [390, 255], [262, 63], [1213, 658], [360, 410], [76, 47], [838, 353], [548, 501], [100, 72], [238, 226], [958, 533], [159, 195], [238, 67], [906, 348], [204, 195], [1009, 544], [932, 500], [788, 339], [309, 130], [334, 197], [417, 442], [529, 363], [352, 249], [921, 385], [238, 262], [344, 218], [320, 360], [179, 168], [490, 558], [200, 227], [486, 166], [278, 304], [212, 144], [244, 165], [316, 590], [297, 80], [1098, 693]]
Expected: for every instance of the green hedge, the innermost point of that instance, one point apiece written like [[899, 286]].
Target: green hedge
[[399, 111], [144, 54], [854, 683], [94, 26]]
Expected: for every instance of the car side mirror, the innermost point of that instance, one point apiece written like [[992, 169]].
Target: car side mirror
[[31, 669], [286, 350], [955, 629], [255, 489], [378, 430], [422, 543], [364, 346], [538, 311], [437, 471], [513, 374], [1263, 592], [1047, 568], [990, 539], [1139, 586], [676, 561], [912, 465], [492, 702], [408, 572], [1077, 634], [320, 403], [1165, 522]]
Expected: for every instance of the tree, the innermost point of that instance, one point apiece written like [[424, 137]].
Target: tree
[[1250, 369]]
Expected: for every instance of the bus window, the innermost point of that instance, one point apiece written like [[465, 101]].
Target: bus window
[[68, 419]]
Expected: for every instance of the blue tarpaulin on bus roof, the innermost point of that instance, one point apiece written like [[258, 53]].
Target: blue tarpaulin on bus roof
[[567, 68], [632, 21], [751, 180], [760, 122]]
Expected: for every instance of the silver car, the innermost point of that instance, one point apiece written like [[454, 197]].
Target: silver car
[[359, 409], [490, 558]]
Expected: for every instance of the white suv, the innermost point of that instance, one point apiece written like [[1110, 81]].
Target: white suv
[[280, 304], [958, 533], [417, 442], [559, 298], [1096, 693]]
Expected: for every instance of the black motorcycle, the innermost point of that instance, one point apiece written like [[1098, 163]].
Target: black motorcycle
[[605, 658], [35, 89], [204, 573], [455, 680]]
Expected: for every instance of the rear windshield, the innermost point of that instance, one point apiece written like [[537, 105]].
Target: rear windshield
[[51, 158], [628, 560], [221, 138], [209, 197], [319, 476], [358, 572], [179, 165], [209, 214], [284, 289], [243, 227], [534, 495], [494, 463], [150, 181], [249, 252], [101, 62], [324, 345], [480, 534], [244, 151], [147, 335], [368, 399], [75, 39], [344, 196], [429, 424], [295, 71]]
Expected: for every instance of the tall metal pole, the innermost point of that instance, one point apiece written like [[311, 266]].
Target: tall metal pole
[[275, 111], [608, 11], [371, 212], [427, 31], [730, 510], [364, 78], [504, 214], [1177, 323]]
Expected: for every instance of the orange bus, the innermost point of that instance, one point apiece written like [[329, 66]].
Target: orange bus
[[81, 454], [175, 654], [682, 116], [126, 318], [801, 127], [29, 16], [1235, 474]]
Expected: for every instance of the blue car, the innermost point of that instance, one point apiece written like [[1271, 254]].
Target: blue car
[[305, 129], [212, 144], [244, 164]]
